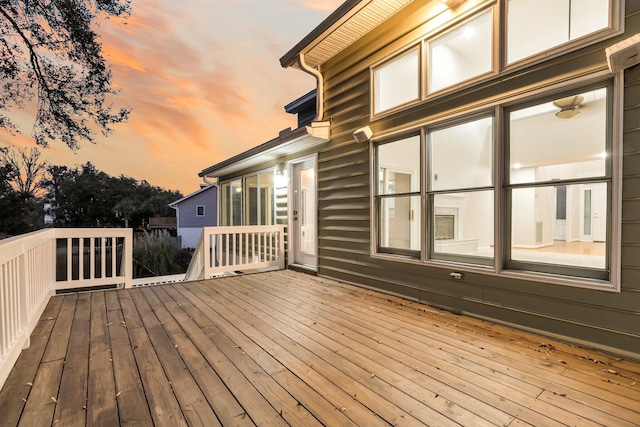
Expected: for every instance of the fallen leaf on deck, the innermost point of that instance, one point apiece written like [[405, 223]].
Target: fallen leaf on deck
[[344, 408], [118, 393], [29, 384], [54, 399]]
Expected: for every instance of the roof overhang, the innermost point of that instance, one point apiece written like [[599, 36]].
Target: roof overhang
[[352, 20], [288, 143], [175, 203]]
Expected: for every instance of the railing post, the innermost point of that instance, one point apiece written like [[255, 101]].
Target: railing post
[[127, 257], [23, 298]]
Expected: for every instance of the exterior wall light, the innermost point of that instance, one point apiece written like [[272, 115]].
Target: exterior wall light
[[362, 135]]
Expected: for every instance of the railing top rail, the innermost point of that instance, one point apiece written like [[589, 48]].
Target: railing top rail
[[244, 229], [17, 245], [75, 233]]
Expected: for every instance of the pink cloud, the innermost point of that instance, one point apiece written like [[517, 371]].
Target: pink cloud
[[322, 4]]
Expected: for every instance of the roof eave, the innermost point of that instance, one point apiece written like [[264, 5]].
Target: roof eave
[[286, 144], [290, 58]]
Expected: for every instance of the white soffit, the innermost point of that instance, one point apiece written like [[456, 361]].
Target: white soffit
[[351, 28], [296, 141]]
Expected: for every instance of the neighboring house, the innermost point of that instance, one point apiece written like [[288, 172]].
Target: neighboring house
[[163, 223], [468, 155], [198, 209]]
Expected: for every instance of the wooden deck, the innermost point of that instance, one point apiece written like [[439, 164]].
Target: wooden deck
[[284, 348]]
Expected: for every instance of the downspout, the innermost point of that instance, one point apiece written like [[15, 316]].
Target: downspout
[[206, 180], [319, 87]]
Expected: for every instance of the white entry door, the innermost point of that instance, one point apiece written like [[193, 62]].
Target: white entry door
[[594, 215], [303, 213]]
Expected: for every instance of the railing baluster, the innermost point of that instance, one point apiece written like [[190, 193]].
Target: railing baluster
[[92, 258]]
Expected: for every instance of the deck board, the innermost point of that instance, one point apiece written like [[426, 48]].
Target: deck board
[[284, 348]]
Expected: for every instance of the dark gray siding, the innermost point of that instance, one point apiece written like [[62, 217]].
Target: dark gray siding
[[603, 319], [187, 208]]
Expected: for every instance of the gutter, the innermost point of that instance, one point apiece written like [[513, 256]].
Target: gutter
[[319, 86]]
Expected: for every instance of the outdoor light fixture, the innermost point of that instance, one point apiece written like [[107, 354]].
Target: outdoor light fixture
[[623, 54], [362, 135]]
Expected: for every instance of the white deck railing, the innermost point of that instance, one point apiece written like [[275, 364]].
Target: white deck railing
[[33, 266], [228, 249]]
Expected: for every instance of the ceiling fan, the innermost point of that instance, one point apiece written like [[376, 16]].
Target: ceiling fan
[[569, 106]]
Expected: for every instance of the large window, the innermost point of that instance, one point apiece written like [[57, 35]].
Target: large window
[[479, 40], [259, 201], [248, 200], [461, 53], [397, 82], [231, 203], [398, 196], [534, 26], [460, 184], [544, 164], [558, 184]]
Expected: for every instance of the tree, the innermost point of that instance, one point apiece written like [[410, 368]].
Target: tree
[[25, 168], [20, 212], [50, 50], [87, 197]]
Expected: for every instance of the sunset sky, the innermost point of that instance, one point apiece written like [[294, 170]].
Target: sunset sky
[[204, 81]]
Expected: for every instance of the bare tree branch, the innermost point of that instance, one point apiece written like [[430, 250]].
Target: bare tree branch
[[50, 51]]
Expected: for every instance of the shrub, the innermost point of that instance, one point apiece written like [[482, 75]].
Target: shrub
[[157, 254]]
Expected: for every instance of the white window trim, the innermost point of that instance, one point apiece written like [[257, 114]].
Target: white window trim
[[613, 284], [198, 209]]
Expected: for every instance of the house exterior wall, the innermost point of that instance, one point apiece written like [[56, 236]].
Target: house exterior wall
[[189, 236], [187, 208], [189, 223], [592, 317]]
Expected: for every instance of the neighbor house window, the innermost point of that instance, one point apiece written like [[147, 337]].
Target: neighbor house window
[[461, 190], [462, 53], [200, 210], [559, 158], [397, 82], [398, 196], [534, 26]]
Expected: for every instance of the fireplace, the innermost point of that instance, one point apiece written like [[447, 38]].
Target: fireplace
[[444, 227]]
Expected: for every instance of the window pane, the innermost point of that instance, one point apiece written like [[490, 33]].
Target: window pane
[[463, 224], [266, 198], [235, 203], [541, 235], [588, 16], [397, 82], [251, 200], [564, 139], [534, 26], [224, 204], [461, 54], [462, 155], [399, 166], [400, 222]]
